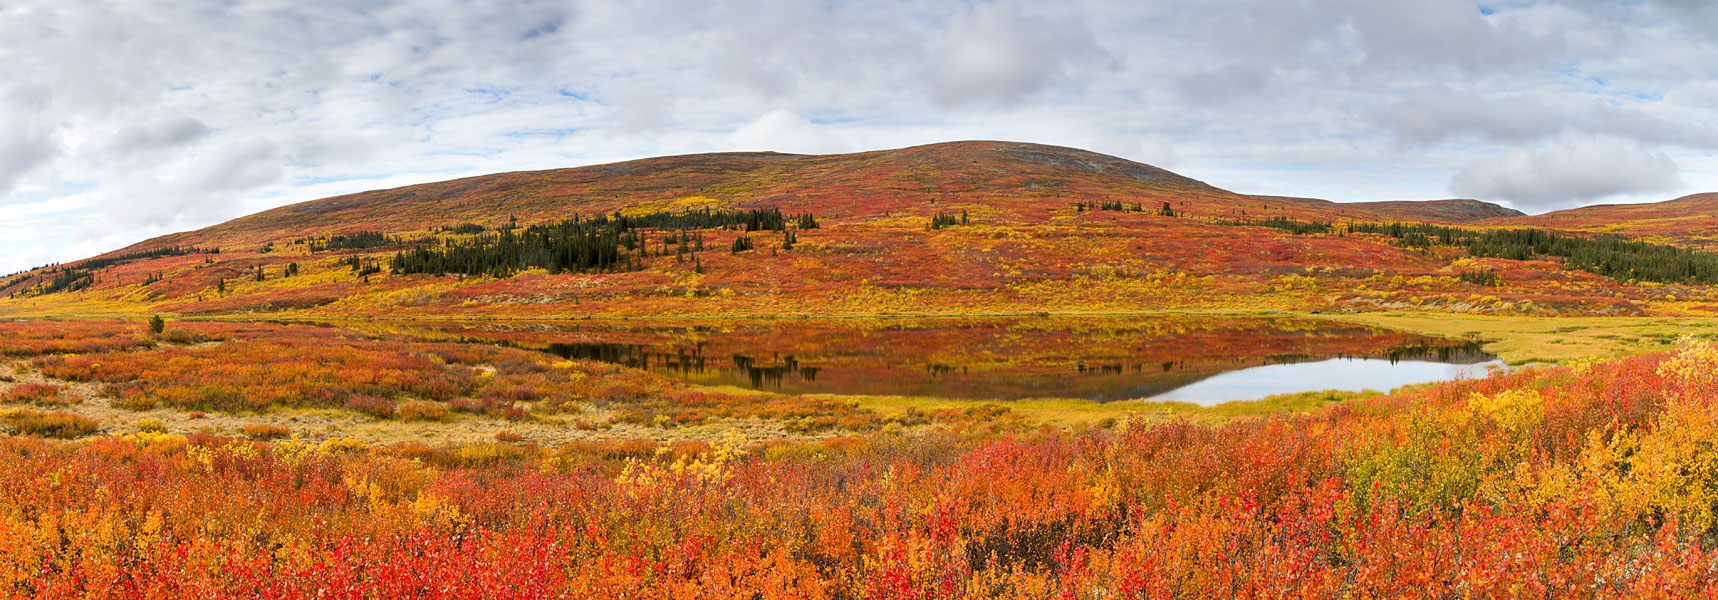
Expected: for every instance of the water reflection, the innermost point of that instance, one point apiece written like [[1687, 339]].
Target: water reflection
[[1097, 359]]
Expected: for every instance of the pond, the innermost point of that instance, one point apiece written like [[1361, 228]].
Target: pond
[[1198, 359]]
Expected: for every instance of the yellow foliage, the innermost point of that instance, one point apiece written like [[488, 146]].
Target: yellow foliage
[[1697, 363], [342, 446], [1514, 410], [641, 478]]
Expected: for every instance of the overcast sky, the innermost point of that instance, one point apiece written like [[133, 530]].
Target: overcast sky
[[123, 120]]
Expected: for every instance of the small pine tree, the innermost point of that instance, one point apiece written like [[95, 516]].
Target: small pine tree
[[741, 244], [157, 324]]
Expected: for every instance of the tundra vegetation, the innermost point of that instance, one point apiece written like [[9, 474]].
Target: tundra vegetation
[[1586, 480], [362, 397]]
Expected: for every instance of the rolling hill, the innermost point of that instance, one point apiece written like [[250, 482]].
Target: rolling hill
[[1689, 220], [953, 228], [1438, 211]]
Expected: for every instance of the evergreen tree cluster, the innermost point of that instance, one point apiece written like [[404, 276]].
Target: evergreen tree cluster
[[359, 266], [613, 242], [1485, 277], [71, 280], [767, 219], [741, 244], [1610, 256], [461, 229], [353, 241], [1282, 224], [82, 275], [947, 219], [1118, 206], [119, 259]]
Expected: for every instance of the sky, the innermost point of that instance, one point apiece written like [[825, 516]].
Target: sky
[[122, 120]]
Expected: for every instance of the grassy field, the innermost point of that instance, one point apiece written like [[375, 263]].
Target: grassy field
[[1522, 340]]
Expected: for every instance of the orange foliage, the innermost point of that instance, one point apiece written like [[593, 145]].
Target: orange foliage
[[1506, 486]]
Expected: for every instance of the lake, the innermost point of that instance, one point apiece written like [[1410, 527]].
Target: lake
[[1204, 360]]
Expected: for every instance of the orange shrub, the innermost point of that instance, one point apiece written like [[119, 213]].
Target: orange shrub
[[260, 431], [41, 394], [55, 425]]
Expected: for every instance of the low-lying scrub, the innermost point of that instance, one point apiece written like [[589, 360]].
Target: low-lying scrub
[[1589, 481], [259, 431], [40, 394], [52, 425]]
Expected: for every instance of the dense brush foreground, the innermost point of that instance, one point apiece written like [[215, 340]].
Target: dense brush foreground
[[1589, 481]]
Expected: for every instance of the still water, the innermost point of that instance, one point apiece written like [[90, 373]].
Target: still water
[[1195, 359], [1347, 374]]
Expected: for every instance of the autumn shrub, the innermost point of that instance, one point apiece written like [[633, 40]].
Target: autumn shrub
[[1446, 491], [41, 338], [508, 437], [54, 425], [151, 426], [40, 394], [183, 337], [381, 408], [262, 431], [420, 411]]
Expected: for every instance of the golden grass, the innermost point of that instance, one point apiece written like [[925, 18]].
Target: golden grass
[[1522, 340]]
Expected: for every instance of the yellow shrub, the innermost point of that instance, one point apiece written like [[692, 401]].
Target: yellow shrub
[[1514, 410]]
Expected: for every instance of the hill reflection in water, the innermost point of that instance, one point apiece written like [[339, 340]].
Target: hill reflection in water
[[1101, 359]]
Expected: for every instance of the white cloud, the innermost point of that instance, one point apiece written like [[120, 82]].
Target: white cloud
[[1568, 173], [175, 115], [784, 131], [998, 53], [1437, 113]]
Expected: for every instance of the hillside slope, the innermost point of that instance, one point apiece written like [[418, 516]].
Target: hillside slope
[[954, 228], [1689, 220], [1438, 211]]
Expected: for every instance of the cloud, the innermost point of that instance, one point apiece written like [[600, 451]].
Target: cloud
[[1437, 113], [1637, 125], [783, 131], [22, 150], [1442, 34], [1157, 154], [148, 116], [160, 135], [1567, 174], [997, 53]]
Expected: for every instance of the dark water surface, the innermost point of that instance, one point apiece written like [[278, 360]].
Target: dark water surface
[[1205, 360]]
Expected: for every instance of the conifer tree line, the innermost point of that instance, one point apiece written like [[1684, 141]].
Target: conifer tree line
[[1284, 224], [1610, 256], [1115, 206], [613, 242], [462, 229], [354, 241], [82, 275]]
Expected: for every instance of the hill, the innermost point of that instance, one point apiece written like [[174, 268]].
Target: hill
[[954, 228], [1439, 211], [1689, 220]]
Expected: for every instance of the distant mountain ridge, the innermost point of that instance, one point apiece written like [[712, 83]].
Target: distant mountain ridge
[[1459, 210], [1689, 220]]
